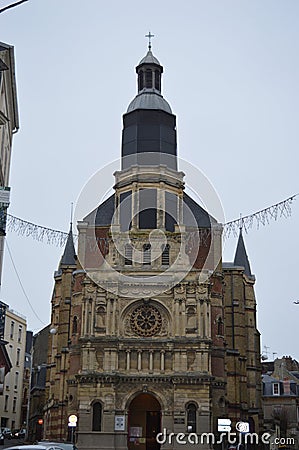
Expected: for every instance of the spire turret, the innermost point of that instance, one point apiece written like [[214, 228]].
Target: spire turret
[[69, 254], [241, 258]]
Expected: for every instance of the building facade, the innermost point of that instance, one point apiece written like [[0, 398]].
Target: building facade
[[11, 400], [138, 346], [281, 399], [243, 358], [38, 384], [9, 124], [26, 380]]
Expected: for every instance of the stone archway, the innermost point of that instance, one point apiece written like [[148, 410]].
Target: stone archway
[[144, 422]]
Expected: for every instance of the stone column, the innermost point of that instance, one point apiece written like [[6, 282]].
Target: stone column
[[162, 360], [199, 326], [108, 330], [183, 317], [151, 360], [128, 360], [92, 304], [113, 301], [134, 205], [161, 206], [86, 316], [180, 209], [208, 320], [139, 354], [205, 319], [177, 317]]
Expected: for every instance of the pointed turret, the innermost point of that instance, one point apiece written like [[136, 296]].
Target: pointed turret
[[69, 254], [241, 258]]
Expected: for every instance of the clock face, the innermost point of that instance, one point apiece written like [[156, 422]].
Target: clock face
[[146, 320]]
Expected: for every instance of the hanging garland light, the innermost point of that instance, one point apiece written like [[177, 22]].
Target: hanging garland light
[[58, 238], [262, 217]]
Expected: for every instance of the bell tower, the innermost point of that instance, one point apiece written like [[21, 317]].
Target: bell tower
[[149, 127]]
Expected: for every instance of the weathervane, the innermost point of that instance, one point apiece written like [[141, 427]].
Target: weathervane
[[149, 36]]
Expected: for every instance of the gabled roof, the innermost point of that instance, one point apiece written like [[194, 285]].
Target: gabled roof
[[241, 258]]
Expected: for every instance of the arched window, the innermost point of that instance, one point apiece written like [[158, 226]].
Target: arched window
[[147, 254], [128, 254], [148, 78], [75, 325], [96, 416], [165, 256], [191, 418]]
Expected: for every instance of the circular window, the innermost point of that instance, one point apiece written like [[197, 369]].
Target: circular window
[[146, 320]]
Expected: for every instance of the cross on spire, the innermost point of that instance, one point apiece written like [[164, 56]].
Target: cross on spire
[[149, 36]]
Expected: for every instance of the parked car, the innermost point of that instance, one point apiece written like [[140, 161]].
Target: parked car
[[6, 433], [35, 447], [63, 445], [1, 438]]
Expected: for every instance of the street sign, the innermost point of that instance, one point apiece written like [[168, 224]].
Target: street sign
[[73, 420]]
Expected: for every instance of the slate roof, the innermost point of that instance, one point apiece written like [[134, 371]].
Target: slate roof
[[201, 216], [149, 99], [69, 254], [102, 216], [241, 258], [149, 59]]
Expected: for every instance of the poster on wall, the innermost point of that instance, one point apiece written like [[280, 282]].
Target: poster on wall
[[119, 423]]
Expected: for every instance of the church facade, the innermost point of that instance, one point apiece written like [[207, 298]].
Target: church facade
[[138, 350]]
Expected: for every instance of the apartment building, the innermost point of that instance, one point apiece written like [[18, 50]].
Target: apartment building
[[13, 329], [9, 125]]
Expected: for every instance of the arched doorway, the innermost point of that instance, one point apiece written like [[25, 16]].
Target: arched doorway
[[144, 423]]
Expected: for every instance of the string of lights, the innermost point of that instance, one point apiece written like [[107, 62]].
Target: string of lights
[[55, 237]]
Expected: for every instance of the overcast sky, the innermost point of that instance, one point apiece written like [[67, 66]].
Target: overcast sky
[[231, 75]]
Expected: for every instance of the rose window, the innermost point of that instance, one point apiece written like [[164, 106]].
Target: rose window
[[146, 320]]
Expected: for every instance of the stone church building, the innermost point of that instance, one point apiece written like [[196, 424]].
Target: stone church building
[[150, 332]]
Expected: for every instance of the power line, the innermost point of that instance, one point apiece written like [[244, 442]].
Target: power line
[[21, 284], [12, 5]]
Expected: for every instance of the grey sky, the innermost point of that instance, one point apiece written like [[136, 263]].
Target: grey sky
[[231, 75]]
